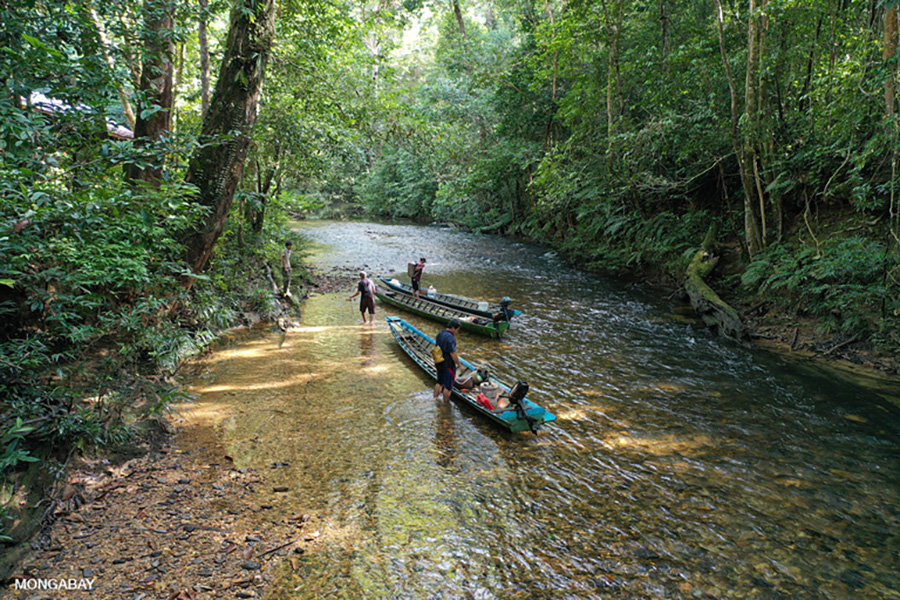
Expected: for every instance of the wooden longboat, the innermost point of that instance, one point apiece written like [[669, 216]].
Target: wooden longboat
[[438, 312], [516, 417], [469, 305]]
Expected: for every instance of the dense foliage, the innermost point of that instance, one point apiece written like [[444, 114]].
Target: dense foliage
[[97, 304]]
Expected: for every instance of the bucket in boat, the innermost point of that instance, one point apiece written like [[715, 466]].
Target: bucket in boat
[[491, 391], [482, 306]]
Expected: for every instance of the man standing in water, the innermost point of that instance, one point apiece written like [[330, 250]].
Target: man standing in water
[[417, 276], [446, 369], [367, 300], [286, 268]]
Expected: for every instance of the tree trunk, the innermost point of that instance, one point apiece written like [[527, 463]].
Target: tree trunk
[[714, 311], [614, 96], [743, 149], [203, 42], [890, 53], [548, 134], [216, 168], [664, 33], [754, 204], [457, 10], [155, 97], [120, 89]]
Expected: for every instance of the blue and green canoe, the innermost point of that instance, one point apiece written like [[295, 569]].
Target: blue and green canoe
[[517, 417]]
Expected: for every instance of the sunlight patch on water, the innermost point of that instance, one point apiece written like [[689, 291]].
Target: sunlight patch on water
[[659, 446]]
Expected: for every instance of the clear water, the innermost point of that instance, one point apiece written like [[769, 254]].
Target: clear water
[[681, 466]]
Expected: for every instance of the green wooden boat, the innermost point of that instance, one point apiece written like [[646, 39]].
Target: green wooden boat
[[513, 412], [443, 314], [469, 305]]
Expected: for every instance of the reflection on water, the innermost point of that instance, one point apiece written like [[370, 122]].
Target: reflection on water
[[681, 466]]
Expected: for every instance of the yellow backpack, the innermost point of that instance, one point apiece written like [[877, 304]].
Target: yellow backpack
[[437, 354]]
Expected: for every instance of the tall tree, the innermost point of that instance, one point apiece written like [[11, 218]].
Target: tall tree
[[613, 16], [891, 15], [216, 168], [156, 95], [743, 144], [457, 11], [203, 42]]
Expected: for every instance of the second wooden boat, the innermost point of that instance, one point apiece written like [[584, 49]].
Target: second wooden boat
[[470, 305], [431, 310], [512, 411]]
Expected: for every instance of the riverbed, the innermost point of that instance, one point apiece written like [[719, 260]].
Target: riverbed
[[681, 465]]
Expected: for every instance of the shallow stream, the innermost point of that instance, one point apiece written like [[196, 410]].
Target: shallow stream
[[681, 465]]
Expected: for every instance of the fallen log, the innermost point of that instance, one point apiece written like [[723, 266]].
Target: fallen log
[[715, 312]]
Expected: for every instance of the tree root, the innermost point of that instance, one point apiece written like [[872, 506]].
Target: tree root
[[714, 311]]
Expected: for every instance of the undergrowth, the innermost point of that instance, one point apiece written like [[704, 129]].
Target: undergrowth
[[846, 283]]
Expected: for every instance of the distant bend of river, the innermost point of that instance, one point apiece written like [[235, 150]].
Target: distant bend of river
[[681, 466]]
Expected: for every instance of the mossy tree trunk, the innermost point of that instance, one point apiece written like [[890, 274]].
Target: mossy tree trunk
[[714, 311], [216, 168]]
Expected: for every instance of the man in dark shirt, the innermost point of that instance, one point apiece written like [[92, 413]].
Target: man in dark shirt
[[446, 369], [366, 289]]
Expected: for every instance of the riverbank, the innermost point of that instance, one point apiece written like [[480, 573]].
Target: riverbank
[[171, 516], [175, 523]]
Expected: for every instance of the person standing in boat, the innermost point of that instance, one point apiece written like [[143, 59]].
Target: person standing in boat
[[446, 369], [417, 276], [366, 290]]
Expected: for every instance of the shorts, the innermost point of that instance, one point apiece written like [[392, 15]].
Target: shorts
[[446, 377], [367, 302], [415, 283]]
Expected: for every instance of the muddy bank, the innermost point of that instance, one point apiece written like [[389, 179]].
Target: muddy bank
[[176, 523], [171, 517]]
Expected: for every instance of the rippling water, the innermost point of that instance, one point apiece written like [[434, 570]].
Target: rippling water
[[681, 466]]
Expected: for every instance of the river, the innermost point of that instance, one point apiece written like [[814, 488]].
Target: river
[[681, 465]]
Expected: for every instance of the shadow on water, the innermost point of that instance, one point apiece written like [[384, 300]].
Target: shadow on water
[[681, 466]]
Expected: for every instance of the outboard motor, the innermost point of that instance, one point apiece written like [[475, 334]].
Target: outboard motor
[[518, 392], [504, 307], [503, 315], [517, 400]]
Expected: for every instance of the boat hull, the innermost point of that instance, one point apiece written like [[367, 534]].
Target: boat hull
[[443, 314], [458, 302], [418, 346]]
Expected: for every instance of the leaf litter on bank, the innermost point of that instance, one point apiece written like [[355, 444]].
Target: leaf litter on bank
[[171, 526]]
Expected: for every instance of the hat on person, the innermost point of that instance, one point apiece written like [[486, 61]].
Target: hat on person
[[454, 324]]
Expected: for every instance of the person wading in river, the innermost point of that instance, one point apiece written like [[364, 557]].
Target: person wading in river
[[446, 369], [367, 299]]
